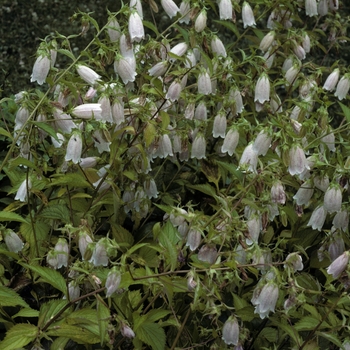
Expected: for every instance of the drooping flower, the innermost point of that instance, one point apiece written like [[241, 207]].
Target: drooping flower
[[219, 125], [178, 50], [204, 83], [265, 299], [41, 69], [304, 193], [295, 261], [341, 220], [88, 74], [136, 30], [193, 239], [198, 147], [74, 148], [201, 21], [218, 47], [185, 10], [337, 267], [61, 252], [247, 15], [332, 80], [292, 73], [208, 253], [254, 226], [322, 7], [63, 121], [329, 140], [318, 217], [278, 194], [158, 69], [267, 41], [311, 8], [112, 282], [170, 7], [299, 51], [136, 5], [118, 111], [225, 9], [23, 190], [262, 143], [113, 30], [262, 89], [84, 241], [249, 158], [174, 91], [342, 87], [125, 69], [230, 331], [13, 241], [73, 291], [127, 331], [99, 255], [333, 199], [88, 111], [337, 245], [297, 161], [150, 187]]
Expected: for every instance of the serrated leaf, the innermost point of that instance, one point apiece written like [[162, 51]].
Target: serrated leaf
[[47, 128], [48, 275], [8, 216], [206, 188], [229, 25], [82, 316], [78, 334], [151, 334], [59, 343], [19, 336], [35, 234], [8, 297], [156, 314], [71, 180], [21, 161], [56, 212], [308, 323], [66, 53], [103, 316], [27, 312], [334, 338]]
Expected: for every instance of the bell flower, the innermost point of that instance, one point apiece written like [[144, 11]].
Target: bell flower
[[337, 267], [13, 241], [322, 7], [235, 97], [113, 30], [299, 51], [249, 158], [318, 217], [201, 21], [230, 331], [218, 47], [88, 111], [292, 73], [136, 30], [262, 143], [311, 8], [254, 226], [99, 255], [112, 282], [74, 148], [174, 91], [262, 89], [198, 147], [230, 142], [267, 41], [333, 5], [127, 332], [61, 252], [73, 291], [225, 9], [88, 74], [204, 83], [23, 190], [342, 87], [295, 261], [208, 254], [136, 5], [125, 69], [337, 246], [178, 50], [297, 161], [63, 121], [247, 15], [304, 193], [170, 7], [158, 69], [333, 199], [265, 299], [278, 194], [219, 125], [341, 220], [41, 69], [185, 11], [193, 239]]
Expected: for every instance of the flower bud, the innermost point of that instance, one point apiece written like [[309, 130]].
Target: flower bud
[[158, 69], [74, 148], [230, 331], [297, 161], [247, 15], [41, 69], [262, 89], [127, 332], [333, 199], [265, 299], [13, 242], [198, 147], [170, 7], [193, 239], [136, 30], [88, 75], [23, 190], [249, 158], [291, 74], [219, 126], [201, 22], [113, 30], [99, 255], [337, 267], [262, 143], [278, 194], [342, 87], [332, 80], [304, 194], [225, 9], [208, 254], [318, 217], [218, 47], [311, 8], [267, 41], [178, 50], [299, 51], [84, 241], [112, 282]]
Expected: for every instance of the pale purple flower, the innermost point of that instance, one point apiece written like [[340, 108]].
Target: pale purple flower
[[247, 15], [321, 182], [333, 5], [88, 74], [74, 148], [219, 125], [73, 291], [63, 121], [150, 187], [297, 161], [185, 10], [225, 9], [304, 194], [61, 251], [198, 147], [254, 226], [262, 89], [23, 190], [218, 47], [343, 87], [201, 112], [262, 143], [41, 69], [265, 299], [306, 44], [178, 50], [125, 69], [112, 282], [341, 220], [137, 5], [333, 199], [158, 69], [100, 141], [322, 7], [84, 241], [295, 261], [99, 255], [204, 83], [118, 111], [22, 116], [337, 246], [278, 194], [337, 267], [299, 51], [249, 158], [113, 30], [106, 110], [230, 331], [292, 73], [208, 253], [13, 241], [311, 8], [318, 217], [170, 7], [237, 106], [193, 239], [230, 142], [267, 41], [332, 80], [174, 91], [88, 111], [201, 21], [127, 332], [136, 30], [329, 140]]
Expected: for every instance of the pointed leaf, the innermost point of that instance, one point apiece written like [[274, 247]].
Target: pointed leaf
[[8, 297], [19, 336], [103, 316], [8, 216], [27, 312], [77, 334], [56, 212], [151, 334], [49, 310]]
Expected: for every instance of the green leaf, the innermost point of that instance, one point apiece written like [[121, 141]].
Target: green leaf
[[103, 317], [51, 309], [59, 343], [47, 128], [27, 312], [35, 234], [206, 188], [82, 316], [149, 133], [332, 337], [229, 25], [66, 53], [78, 334], [50, 276], [8, 297], [9, 216], [151, 334], [71, 180], [56, 212], [19, 336], [156, 314], [346, 111], [5, 133], [151, 26], [308, 323]]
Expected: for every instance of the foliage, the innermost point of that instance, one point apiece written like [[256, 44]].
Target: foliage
[[175, 190]]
